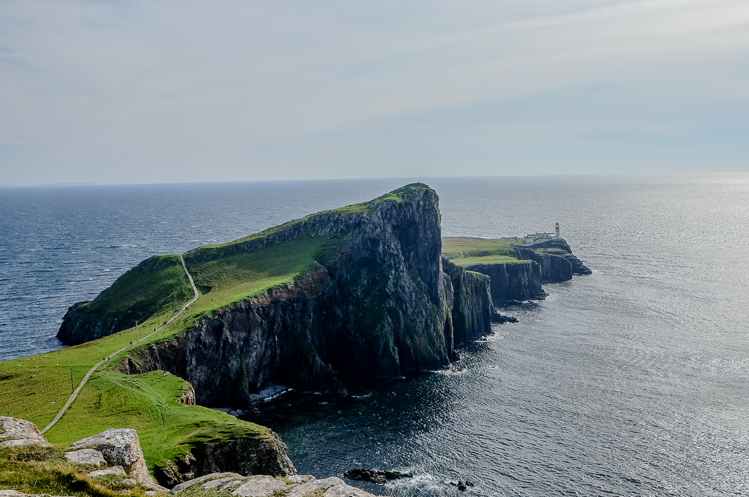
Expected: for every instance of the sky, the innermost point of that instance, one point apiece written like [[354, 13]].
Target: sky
[[190, 91]]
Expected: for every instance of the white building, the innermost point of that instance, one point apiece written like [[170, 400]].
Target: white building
[[542, 237]]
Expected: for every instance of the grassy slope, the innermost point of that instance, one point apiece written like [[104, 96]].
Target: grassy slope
[[44, 470], [145, 292], [488, 259], [148, 403]]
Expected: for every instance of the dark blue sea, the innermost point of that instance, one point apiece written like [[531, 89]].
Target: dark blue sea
[[631, 381]]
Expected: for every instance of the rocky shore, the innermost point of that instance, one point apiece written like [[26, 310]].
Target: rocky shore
[[113, 460]]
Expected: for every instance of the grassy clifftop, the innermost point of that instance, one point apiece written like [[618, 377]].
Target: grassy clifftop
[[466, 252]]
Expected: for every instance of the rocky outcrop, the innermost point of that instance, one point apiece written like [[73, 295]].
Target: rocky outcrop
[[472, 309], [263, 486], [378, 307], [120, 447], [15, 431], [555, 259], [247, 456]]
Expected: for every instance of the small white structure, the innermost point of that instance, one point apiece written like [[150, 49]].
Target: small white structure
[[531, 238]]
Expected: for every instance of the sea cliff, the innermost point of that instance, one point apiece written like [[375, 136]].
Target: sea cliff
[[379, 305], [342, 297], [517, 271]]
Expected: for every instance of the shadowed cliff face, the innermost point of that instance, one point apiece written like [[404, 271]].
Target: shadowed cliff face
[[380, 306]]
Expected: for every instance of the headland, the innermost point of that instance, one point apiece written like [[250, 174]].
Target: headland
[[359, 294]]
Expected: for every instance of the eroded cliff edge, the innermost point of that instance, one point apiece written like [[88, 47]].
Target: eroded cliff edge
[[379, 305]]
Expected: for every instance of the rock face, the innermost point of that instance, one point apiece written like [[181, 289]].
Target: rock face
[[15, 431], [379, 307], [548, 262], [472, 309], [120, 447], [515, 281], [555, 259], [246, 456]]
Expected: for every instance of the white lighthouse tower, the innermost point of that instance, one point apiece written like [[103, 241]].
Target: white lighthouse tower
[[556, 231]]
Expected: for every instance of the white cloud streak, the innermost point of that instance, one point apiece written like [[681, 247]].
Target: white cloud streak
[[187, 91]]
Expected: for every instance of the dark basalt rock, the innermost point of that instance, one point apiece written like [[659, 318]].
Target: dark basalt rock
[[379, 307], [511, 282], [375, 476], [247, 456]]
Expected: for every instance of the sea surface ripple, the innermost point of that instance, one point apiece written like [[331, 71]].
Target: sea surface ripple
[[631, 381]]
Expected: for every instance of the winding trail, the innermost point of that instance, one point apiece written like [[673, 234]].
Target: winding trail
[[91, 371]]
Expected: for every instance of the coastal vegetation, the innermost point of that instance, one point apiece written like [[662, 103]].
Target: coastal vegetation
[[35, 469]]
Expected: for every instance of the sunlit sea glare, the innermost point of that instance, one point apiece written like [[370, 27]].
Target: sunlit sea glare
[[631, 381]]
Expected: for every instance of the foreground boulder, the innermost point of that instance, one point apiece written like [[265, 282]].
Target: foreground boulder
[[15, 431], [120, 447], [86, 457]]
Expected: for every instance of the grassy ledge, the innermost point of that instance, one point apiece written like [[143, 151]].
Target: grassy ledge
[[471, 251]]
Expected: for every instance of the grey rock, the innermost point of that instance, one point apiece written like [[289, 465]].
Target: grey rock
[[119, 446], [130, 482], [228, 487], [300, 478], [195, 481], [86, 456], [346, 491], [114, 470], [12, 493], [217, 483], [14, 431], [259, 486], [331, 484]]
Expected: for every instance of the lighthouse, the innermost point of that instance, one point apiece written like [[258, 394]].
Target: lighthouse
[[556, 231]]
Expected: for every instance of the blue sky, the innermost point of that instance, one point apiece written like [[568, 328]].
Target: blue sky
[[140, 92]]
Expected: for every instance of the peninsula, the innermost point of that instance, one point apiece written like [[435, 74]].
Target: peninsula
[[358, 294]]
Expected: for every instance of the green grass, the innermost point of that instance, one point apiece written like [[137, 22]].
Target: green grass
[[455, 248], [44, 470], [159, 283], [36, 387], [235, 277], [489, 259], [147, 403]]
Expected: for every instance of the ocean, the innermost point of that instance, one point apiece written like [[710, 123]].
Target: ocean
[[633, 380]]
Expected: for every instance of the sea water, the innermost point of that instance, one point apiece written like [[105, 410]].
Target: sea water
[[631, 381]]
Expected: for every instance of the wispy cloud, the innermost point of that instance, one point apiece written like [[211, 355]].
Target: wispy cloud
[[145, 91]]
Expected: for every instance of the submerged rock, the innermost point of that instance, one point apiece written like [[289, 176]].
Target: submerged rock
[[375, 476]]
